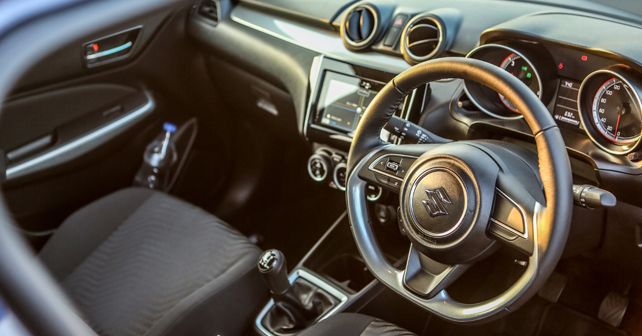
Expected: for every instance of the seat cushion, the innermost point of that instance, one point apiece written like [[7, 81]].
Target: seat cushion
[[348, 324], [139, 262]]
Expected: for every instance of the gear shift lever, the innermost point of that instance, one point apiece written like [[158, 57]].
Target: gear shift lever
[[296, 305], [274, 269]]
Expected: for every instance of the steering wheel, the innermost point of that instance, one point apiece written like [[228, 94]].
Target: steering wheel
[[459, 200]]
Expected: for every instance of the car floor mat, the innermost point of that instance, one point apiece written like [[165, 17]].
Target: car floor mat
[[561, 321]]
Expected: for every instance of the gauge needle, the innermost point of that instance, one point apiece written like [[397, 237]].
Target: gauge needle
[[617, 126]]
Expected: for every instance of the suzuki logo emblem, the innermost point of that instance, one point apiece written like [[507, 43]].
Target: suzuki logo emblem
[[436, 202]]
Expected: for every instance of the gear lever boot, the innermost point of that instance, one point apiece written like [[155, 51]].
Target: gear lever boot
[[296, 305]]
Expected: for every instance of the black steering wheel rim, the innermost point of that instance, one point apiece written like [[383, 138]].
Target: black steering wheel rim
[[550, 220]]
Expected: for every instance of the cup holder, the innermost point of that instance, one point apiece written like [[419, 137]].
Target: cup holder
[[348, 271]]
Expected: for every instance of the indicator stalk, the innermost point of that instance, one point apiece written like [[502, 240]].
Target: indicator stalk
[[591, 197]]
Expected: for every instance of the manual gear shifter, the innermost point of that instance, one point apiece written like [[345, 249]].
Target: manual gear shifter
[[274, 269], [296, 305]]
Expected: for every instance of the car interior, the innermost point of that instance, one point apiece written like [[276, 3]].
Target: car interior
[[331, 167]]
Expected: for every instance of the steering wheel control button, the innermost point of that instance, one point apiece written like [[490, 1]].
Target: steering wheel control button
[[392, 166], [390, 170], [390, 183]]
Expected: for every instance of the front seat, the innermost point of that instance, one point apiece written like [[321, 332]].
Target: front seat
[[348, 324], [140, 262]]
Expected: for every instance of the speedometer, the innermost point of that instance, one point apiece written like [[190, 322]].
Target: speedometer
[[615, 112], [609, 104]]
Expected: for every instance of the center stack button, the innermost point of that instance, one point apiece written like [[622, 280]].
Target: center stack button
[[339, 176], [319, 165]]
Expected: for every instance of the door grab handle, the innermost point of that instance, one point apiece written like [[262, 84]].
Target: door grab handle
[[111, 51]]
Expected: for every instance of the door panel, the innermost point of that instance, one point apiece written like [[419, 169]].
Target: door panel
[[73, 132], [50, 130]]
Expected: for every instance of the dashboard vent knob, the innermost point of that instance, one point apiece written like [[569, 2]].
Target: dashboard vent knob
[[422, 38], [360, 26]]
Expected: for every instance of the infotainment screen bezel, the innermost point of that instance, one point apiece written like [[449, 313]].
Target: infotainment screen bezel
[[368, 87], [316, 132]]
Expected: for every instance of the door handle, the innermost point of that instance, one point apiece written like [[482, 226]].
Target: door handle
[[111, 48], [100, 54]]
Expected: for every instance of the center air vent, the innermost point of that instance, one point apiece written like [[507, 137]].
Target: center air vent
[[422, 38], [359, 27]]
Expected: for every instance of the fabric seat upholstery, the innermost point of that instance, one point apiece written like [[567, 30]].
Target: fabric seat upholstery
[[348, 324], [139, 262]]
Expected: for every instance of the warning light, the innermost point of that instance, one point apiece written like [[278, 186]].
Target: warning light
[[529, 75], [95, 47], [584, 58], [560, 66], [524, 68]]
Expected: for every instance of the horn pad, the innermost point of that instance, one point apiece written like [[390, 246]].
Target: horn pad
[[446, 201]]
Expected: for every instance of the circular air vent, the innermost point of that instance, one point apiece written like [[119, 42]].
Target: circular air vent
[[359, 26], [422, 38]]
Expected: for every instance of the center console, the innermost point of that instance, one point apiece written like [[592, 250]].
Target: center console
[[332, 277], [339, 96]]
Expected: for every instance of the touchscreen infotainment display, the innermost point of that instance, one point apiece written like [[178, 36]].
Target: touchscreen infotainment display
[[343, 100]]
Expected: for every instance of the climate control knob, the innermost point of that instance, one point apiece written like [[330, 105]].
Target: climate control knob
[[340, 175], [319, 165]]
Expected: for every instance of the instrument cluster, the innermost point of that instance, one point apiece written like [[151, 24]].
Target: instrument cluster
[[588, 92]]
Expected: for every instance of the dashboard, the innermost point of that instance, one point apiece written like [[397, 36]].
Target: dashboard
[[581, 58]]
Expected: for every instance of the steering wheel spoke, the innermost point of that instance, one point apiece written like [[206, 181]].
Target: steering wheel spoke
[[513, 218], [388, 166], [427, 277]]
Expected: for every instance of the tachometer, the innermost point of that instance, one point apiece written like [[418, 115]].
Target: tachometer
[[531, 65], [610, 110], [521, 68]]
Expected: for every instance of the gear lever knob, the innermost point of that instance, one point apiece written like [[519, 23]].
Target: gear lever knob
[[272, 266]]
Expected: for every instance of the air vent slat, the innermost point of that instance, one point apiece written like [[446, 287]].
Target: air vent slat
[[417, 43], [366, 24], [353, 26], [424, 26]]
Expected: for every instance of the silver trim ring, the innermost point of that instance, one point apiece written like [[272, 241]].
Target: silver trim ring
[[326, 168], [411, 207], [375, 27], [335, 179], [376, 197], [474, 100], [410, 25], [583, 113]]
